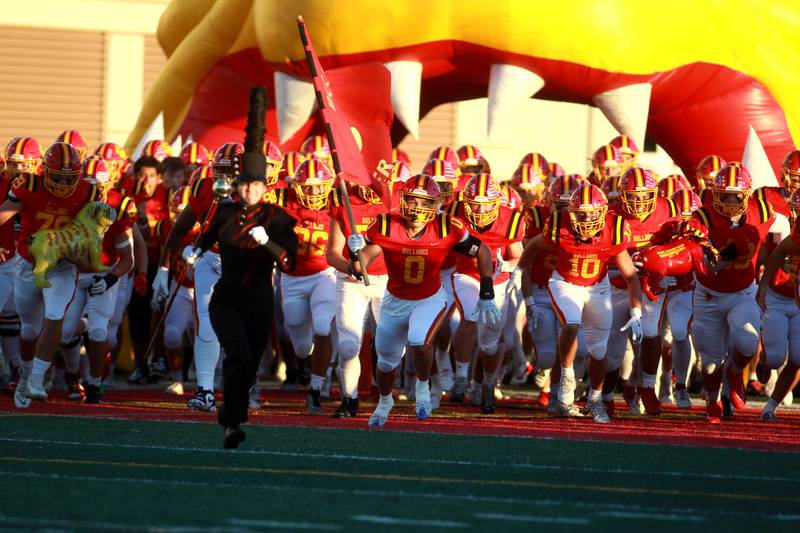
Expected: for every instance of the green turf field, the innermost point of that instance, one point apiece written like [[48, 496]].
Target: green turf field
[[72, 473]]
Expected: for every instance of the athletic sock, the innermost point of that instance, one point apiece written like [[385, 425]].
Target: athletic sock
[[422, 388], [206, 355], [595, 395], [317, 381], [350, 372], [648, 380], [38, 371], [462, 369]]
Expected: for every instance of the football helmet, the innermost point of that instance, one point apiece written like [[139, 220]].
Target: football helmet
[[399, 174], [446, 153], [687, 202], [95, 171], [607, 162], [274, 160], [628, 149], [638, 192], [790, 171], [61, 169], [511, 197], [732, 188], [560, 192], [482, 197], [471, 160], [444, 174], [610, 187], [312, 183], [420, 199], [556, 170], [794, 204], [670, 184], [158, 148], [178, 200], [587, 208], [77, 141], [114, 157], [317, 146], [200, 173], [400, 155], [289, 163], [706, 171], [194, 155], [538, 161], [227, 161], [23, 156], [529, 181], [368, 194]]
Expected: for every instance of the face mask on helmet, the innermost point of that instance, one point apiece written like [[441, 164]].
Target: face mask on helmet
[[368, 194], [588, 221], [312, 184], [639, 204], [731, 203], [418, 208], [61, 168], [481, 211]]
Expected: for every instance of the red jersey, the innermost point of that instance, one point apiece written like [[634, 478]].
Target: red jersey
[[657, 228], [126, 216], [43, 210], [581, 262], [507, 229], [545, 260], [450, 260], [156, 204], [364, 214], [414, 264], [312, 234], [785, 280], [8, 235], [706, 197], [775, 197], [747, 237], [126, 186]]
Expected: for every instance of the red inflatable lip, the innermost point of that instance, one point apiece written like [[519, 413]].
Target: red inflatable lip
[[695, 110]]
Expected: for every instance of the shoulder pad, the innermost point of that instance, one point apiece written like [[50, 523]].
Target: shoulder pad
[[26, 182], [515, 226], [703, 216], [764, 207], [619, 235], [673, 209], [280, 197], [555, 226], [335, 199]]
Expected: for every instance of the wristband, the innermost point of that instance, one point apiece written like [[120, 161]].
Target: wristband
[[487, 288]]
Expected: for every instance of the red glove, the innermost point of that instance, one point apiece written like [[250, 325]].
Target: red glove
[[140, 284]]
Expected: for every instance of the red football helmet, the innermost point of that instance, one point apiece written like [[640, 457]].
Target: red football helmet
[[400, 155], [687, 202], [227, 161], [96, 171], [316, 146], [707, 170], [77, 141], [445, 176], [274, 160], [23, 156], [198, 174], [610, 187], [511, 197], [537, 161], [420, 199], [114, 157], [471, 160], [732, 188], [628, 148], [178, 200], [529, 182], [158, 148], [399, 174], [672, 183], [790, 171], [61, 169], [194, 155], [556, 170], [607, 161], [289, 163], [588, 207], [312, 183], [794, 204], [446, 153], [638, 191], [560, 192], [482, 197]]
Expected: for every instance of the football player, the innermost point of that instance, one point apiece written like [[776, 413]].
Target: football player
[[415, 244], [585, 239]]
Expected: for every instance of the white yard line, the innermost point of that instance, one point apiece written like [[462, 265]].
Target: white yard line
[[379, 459], [280, 524], [41, 522], [672, 517], [393, 521], [533, 519]]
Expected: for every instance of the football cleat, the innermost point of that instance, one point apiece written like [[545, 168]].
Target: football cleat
[[423, 406], [768, 416], [446, 379], [313, 402], [651, 404], [304, 371], [488, 405], [543, 400], [564, 410], [233, 437], [137, 376], [436, 394], [21, 401], [459, 390], [474, 393], [682, 399], [93, 395], [727, 407], [176, 388], [629, 394], [380, 415], [158, 370], [736, 388], [636, 406], [203, 400], [75, 390], [254, 397], [714, 412], [35, 390], [598, 412], [347, 409]]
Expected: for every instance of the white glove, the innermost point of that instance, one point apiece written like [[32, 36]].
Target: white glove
[[161, 283], [102, 283], [667, 282], [190, 254], [515, 281], [500, 265], [530, 312], [156, 302], [487, 312], [635, 325], [259, 234], [356, 242]]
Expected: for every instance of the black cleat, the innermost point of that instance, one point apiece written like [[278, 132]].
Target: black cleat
[[488, 405], [93, 394], [727, 407], [347, 409], [233, 436], [313, 402], [304, 371]]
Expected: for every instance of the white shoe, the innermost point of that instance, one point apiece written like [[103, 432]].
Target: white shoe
[[598, 411], [254, 397], [498, 393], [20, 400], [446, 379], [35, 390], [423, 405], [682, 399], [637, 407], [788, 399], [380, 415], [176, 388], [666, 397], [568, 410]]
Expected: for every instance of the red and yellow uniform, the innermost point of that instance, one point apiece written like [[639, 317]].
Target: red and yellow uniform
[[507, 229], [545, 261], [126, 216], [364, 214], [312, 234]]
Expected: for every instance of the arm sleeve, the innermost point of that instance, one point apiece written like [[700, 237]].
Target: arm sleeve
[[468, 246]]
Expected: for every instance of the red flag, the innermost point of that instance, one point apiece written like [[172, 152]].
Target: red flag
[[357, 119]]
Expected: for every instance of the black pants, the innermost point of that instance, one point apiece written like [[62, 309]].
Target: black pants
[[242, 321]]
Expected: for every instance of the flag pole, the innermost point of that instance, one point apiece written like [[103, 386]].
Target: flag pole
[[337, 167]]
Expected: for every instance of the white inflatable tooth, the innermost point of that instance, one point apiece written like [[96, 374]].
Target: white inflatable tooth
[[509, 86], [755, 160], [406, 87], [294, 102], [627, 108]]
